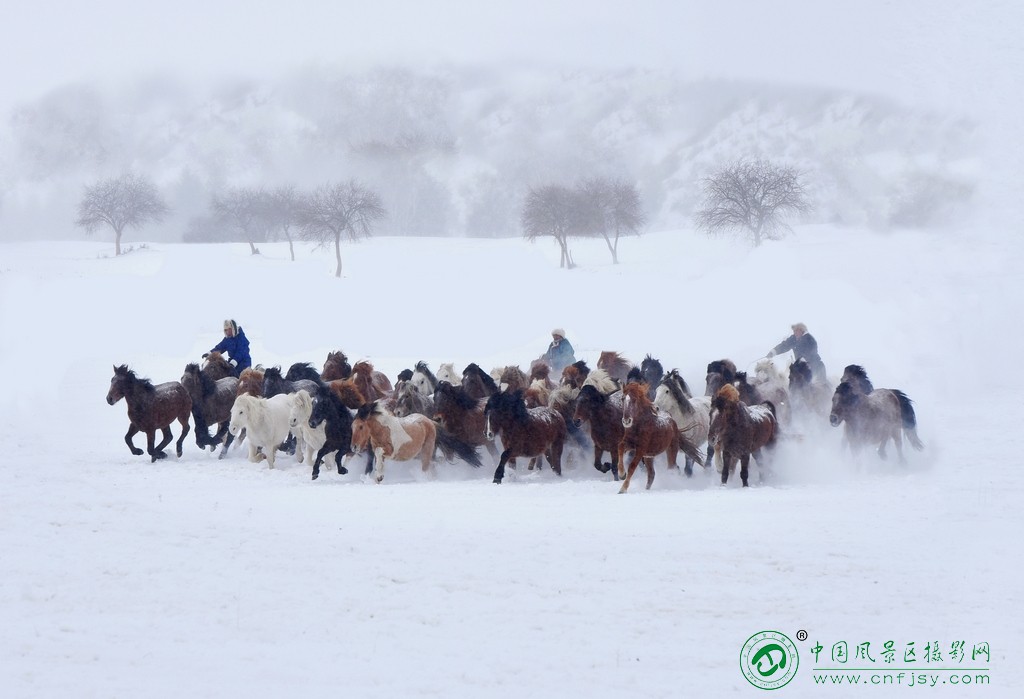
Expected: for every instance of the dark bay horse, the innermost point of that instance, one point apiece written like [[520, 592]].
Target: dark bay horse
[[809, 399], [719, 373], [329, 411], [275, 384], [216, 367], [211, 405], [875, 418], [649, 432], [150, 408], [462, 415], [524, 431], [478, 383], [302, 370], [336, 367], [741, 431], [604, 413]]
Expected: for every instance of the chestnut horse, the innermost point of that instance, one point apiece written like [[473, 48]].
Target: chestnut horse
[[575, 374], [250, 382], [615, 364], [336, 367], [604, 413], [150, 408], [373, 384], [649, 432], [524, 431], [741, 431]]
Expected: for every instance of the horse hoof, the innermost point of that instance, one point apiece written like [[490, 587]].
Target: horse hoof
[[138, 452], [315, 476], [497, 481], [342, 470], [379, 479]]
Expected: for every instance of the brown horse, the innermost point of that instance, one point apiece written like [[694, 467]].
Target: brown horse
[[604, 413], [477, 382], [575, 374], [150, 408], [649, 432], [216, 367], [719, 373], [348, 392], [808, 398], [615, 364], [336, 367], [462, 416], [512, 378], [250, 382], [373, 384], [524, 431], [211, 404], [541, 371], [741, 431]]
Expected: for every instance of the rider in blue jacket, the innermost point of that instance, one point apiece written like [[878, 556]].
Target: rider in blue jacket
[[560, 353], [236, 345]]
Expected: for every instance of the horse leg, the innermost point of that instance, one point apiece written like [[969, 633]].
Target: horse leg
[[629, 473], [151, 449], [897, 439], [132, 431], [744, 464], [555, 456], [166, 438], [620, 473], [649, 465], [183, 421], [338, 456], [728, 462], [271, 453], [499, 473], [378, 471], [319, 458], [370, 458], [598, 453]]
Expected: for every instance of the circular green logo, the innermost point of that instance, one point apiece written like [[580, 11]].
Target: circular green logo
[[769, 660]]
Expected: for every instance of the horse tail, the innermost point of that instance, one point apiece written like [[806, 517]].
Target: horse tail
[[775, 423], [909, 419], [689, 448], [450, 444]]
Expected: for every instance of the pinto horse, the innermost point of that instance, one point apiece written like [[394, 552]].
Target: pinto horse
[[875, 418], [211, 404], [741, 431], [403, 439], [150, 408], [604, 413], [524, 431], [649, 432], [336, 367]]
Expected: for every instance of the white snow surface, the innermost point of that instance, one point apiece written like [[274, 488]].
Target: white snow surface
[[199, 577]]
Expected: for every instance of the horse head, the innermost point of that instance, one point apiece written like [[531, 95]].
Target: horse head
[[336, 367], [844, 400], [588, 400], [857, 378], [635, 402], [302, 408], [123, 376], [423, 380]]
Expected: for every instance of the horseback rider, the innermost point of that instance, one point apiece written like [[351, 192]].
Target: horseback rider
[[804, 347], [236, 345], [560, 353]]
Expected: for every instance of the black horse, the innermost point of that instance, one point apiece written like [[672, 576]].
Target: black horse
[[337, 420]]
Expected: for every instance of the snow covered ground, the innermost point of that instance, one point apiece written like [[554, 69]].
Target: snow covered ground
[[199, 577]]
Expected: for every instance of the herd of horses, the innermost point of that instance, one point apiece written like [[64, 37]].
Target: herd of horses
[[631, 413]]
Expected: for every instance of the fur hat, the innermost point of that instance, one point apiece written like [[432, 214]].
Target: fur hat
[[559, 332], [799, 326], [232, 325]]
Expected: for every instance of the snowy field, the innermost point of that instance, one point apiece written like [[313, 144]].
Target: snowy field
[[198, 577]]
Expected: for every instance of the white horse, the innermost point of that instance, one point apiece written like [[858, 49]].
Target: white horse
[[423, 380], [446, 372], [313, 438], [266, 422], [692, 415], [771, 379]]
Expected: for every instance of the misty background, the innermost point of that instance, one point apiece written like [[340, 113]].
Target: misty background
[[452, 112]]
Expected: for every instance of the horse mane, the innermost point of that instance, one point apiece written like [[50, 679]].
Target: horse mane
[[273, 374], [857, 373], [609, 359], [653, 363], [144, 384], [725, 367], [638, 392], [362, 367], [404, 375], [800, 371], [366, 410], [302, 370], [676, 386], [727, 395], [513, 404], [475, 369], [599, 379], [458, 394], [539, 369], [581, 366], [634, 376], [422, 367], [590, 394]]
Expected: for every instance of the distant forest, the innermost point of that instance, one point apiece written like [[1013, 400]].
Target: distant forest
[[454, 152]]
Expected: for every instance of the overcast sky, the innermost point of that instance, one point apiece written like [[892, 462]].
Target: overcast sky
[[904, 47]]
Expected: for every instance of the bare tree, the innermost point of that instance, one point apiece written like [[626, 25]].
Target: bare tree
[[552, 210], [752, 196], [611, 208], [128, 201], [242, 208], [281, 210], [334, 210]]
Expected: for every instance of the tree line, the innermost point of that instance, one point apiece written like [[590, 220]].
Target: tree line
[[754, 198]]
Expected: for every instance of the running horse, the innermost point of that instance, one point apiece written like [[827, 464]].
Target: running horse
[[151, 408], [524, 431], [649, 432], [741, 431]]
